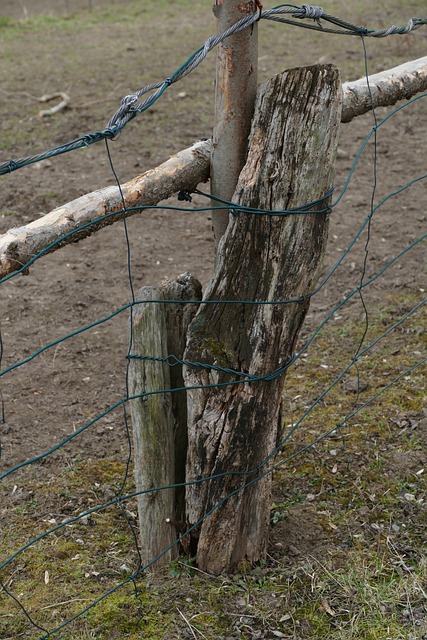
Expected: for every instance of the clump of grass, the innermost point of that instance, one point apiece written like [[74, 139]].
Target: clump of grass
[[366, 598], [6, 23]]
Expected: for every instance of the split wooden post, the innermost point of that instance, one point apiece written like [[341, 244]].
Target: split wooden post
[[178, 315], [236, 84], [233, 429]]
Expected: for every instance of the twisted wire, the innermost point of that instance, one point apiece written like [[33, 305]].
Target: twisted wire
[[130, 107]]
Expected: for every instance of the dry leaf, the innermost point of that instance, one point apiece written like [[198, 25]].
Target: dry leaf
[[285, 618], [327, 608], [46, 577]]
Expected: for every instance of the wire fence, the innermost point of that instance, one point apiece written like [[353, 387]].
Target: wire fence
[[130, 108]]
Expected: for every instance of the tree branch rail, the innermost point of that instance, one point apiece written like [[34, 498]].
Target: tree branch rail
[[183, 171]]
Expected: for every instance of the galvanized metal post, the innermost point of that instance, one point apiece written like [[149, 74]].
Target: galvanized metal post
[[236, 83]]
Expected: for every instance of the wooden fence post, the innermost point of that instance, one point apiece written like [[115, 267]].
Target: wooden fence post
[[154, 463], [235, 91], [178, 317], [159, 421], [234, 428]]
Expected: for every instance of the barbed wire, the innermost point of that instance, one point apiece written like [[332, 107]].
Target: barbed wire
[[130, 107]]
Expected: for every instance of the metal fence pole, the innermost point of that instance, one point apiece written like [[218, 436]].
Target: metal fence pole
[[236, 83]]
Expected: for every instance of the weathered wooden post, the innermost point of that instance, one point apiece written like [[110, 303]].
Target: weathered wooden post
[[159, 421], [235, 91], [261, 258], [179, 314], [154, 460]]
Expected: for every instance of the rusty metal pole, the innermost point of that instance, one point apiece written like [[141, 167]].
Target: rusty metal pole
[[236, 83]]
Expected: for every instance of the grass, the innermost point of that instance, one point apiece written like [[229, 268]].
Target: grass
[[364, 579], [86, 18], [365, 599]]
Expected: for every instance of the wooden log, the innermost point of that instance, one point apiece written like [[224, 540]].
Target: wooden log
[[152, 427], [185, 170], [386, 88], [178, 316], [234, 428]]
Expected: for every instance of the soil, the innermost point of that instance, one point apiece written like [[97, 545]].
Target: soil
[[69, 384]]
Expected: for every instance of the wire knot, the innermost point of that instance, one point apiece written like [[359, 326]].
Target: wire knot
[[410, 26], [185, 195], [310, 11], [111, 132], [124, 110], [128, 101], [88, 139], [12, 166]]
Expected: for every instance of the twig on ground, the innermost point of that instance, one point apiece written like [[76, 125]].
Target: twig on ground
[[190, 626]]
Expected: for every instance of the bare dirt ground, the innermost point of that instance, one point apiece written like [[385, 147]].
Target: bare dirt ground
[[83, 283], [97, 61]]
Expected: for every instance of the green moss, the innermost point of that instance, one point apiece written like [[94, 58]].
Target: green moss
[[219, 351]]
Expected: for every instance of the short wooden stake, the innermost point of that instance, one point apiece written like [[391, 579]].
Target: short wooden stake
[[153, 436], [160, 420], [178, 317]]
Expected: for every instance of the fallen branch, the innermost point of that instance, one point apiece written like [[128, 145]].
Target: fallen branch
[[65, 101], [183, 171]]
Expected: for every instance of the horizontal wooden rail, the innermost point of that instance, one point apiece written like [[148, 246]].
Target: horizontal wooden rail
[[184, 170], [386, 88]]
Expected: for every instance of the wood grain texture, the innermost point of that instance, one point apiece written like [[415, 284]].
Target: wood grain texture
[[233, 428], [178, 316], [152, 427]]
